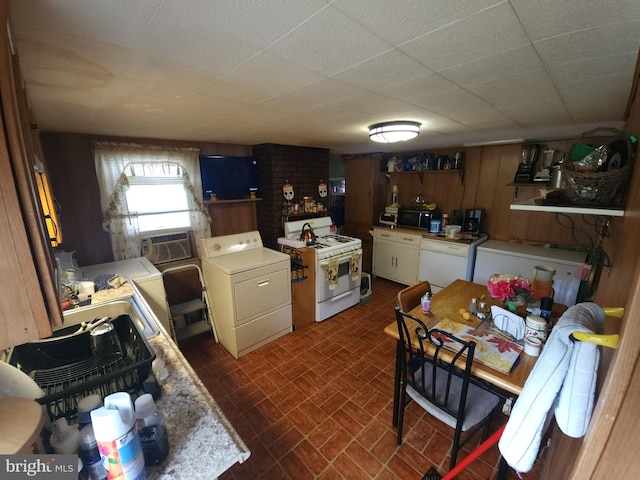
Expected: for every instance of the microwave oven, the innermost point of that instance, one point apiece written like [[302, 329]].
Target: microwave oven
[[415, 218]]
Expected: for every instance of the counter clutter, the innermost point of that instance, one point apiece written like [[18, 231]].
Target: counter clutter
[[202, 442]]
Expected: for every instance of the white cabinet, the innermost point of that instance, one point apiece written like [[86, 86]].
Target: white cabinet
[[395, 255]]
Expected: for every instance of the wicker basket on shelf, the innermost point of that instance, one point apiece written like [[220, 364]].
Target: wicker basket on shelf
[[599, 189]]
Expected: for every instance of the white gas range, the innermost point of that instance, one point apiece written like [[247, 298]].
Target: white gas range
[[338, 263]]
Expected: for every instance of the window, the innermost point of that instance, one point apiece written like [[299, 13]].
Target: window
[[156, 195], [145, 189]]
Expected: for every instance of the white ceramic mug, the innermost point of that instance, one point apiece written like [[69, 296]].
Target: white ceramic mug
[[532, 346]]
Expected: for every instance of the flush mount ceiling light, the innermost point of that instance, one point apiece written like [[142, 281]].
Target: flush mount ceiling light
[[390, 132]]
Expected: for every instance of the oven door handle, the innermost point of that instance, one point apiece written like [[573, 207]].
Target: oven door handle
[[341, 296], [341, 258]]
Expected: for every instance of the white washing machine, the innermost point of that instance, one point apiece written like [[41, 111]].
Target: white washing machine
[[249, 287]]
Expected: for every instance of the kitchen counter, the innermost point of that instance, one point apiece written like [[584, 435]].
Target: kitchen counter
[[202, 442], [463, 237]]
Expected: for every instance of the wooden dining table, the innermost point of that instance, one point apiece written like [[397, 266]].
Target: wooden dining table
[[446, 304]]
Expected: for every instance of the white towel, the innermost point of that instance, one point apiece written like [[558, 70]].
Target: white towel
[[566, 368], [332, 273], [354, 266]]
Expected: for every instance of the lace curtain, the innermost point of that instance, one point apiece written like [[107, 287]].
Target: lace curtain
[[112, 160]]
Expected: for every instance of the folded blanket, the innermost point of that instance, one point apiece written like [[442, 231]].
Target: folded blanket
[[565, 374]]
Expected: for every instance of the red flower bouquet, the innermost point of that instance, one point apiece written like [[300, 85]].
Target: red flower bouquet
[[508, 287]]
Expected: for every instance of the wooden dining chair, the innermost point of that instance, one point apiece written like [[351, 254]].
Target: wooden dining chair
[[409, 298], [434, 382]]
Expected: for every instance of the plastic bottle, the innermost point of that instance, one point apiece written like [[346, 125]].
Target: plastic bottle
[[425, 304], [90, 455], [546, 303], [152, 430], [65, 438], [445, 220], [114, 426], [85, 405], [83, 474]]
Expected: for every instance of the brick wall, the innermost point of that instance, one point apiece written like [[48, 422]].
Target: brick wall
[[304, 167]]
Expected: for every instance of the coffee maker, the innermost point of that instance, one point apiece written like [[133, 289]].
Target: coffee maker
[[472, 223]]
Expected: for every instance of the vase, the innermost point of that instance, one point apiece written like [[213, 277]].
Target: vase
[[513, 303]]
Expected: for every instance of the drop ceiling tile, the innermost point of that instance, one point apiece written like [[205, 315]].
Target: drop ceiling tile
[[516, 89], [257, 23], [206, 107], [411, 19], [232, 90], [622, 64], [549, 18], [272, 74], [503, 64], [576, 102], [76, 81], [487, 123], [325, 91], [159, 71], [532, 115], [468, 39], [444, 99], [284, 104], [473, 111], [414, 91], [389, 68], [107, 21], [591, 43], [205, 50], [328, 43], [599, 115], [615, 84], [47, 107], [69, 52], [372, 103], [525, 112]]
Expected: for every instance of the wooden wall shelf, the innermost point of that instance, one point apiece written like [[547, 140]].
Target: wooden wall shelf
[[422, 172], [232, 216], [240, 200]]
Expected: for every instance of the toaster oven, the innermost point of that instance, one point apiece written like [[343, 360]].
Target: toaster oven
[[388, 218]]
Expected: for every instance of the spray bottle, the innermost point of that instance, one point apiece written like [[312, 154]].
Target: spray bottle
[[114, 426]]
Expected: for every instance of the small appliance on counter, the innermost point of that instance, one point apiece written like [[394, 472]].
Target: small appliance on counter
[[472, 223], [527, 168], [420, 219], [389, 217]]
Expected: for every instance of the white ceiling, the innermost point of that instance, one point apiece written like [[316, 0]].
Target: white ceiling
[[319, 72]]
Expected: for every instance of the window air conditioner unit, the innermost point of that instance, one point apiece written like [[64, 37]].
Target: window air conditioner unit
[[167, 247]]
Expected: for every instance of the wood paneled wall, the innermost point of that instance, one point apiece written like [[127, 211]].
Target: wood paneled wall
[[488, 172], [609, 449]]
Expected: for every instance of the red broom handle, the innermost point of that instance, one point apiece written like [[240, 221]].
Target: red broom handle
[[483, 447]]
